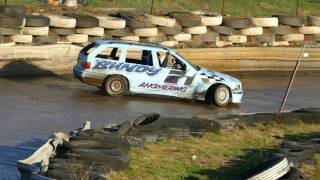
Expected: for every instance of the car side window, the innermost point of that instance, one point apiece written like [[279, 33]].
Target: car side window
[[139, 56], [171, 62], [110, 53]]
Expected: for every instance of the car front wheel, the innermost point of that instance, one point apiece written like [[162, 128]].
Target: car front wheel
[[221, 96], [116, 86]]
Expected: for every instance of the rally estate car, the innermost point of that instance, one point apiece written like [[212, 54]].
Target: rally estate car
[[121, 67]]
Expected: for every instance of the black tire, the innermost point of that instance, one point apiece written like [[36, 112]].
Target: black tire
[[294, 174], [298, 156], [209, 36], [50, 39], [313, 20], [12, 20], [146, 119], [169, 30], [119, 32], [63, 31], [265, 38], [224, 30], [237, 23], [84, 21], [186, 19], [37, 21], [12, 9], [138, 23], [116, 86], [290, 20], [124, 128], [9, 31], [5, 39], [219, 95], [281, 30]]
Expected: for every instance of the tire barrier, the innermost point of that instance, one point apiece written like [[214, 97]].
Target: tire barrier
[[279, 30], [95, 152]]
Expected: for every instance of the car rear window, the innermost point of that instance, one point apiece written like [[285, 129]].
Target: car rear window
[[88, 49]]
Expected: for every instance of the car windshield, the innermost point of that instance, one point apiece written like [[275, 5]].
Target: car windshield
[[196, 67]]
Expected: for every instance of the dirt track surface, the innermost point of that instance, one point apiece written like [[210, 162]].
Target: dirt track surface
[[33, 108]]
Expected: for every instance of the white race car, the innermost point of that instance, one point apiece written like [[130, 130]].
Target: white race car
[[120, 67]]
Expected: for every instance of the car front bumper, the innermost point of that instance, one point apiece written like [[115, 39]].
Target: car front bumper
[[237, 97]]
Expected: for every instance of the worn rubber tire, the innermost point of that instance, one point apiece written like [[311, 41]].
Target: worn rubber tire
[[186, 19], [314, 20], [239, 39], [162, 20], [265, 22], [294, 174], [120, 32], [63, 31], [116, 79], [61, 21], [290, 20], [124, 128], [252, 31], [96, 31], [169, 43], [12, 9], [281, 30], [309, 30], [279, 43], [20, 38], [9, 31], [37, 21], [211, 19], [224, 30], [237, 23], [265, 38], [196, 30], [137, 21], [130, 38], [84, 21], [146, 119], [274, 168], [146, 32], [293, 37], [12, 21], [210, 36], [36, 31], [182, 37], [50, 39], [170, 30], [155, 39], [77, 38], [110, 22]]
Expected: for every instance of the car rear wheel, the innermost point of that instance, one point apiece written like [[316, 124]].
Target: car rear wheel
[[221, 96], [116, 86]]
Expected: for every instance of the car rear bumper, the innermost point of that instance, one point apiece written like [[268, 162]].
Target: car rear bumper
[[88, 77]]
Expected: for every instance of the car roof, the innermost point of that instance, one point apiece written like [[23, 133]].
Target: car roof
[[135, 44]]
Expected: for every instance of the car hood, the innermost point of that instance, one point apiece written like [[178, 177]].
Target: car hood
[[214, 74]]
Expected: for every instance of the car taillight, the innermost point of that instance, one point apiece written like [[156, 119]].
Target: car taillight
[[86, 65]]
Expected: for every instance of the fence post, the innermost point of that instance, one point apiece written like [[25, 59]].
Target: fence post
[[151, 9], [5, 2], [292, 78], [297, 8]]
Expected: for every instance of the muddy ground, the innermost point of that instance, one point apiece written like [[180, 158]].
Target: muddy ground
[[31, 108]]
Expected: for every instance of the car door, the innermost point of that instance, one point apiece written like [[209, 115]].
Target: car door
[[141, 70], [174, 78]]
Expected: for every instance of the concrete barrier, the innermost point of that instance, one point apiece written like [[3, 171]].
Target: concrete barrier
[[59, 59]]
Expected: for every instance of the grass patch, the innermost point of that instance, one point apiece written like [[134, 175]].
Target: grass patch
[[219, 156], [232, 7]]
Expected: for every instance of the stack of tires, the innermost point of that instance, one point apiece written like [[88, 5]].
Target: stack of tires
[[36, 26], [60, 28], [87, 27], [12, 20]]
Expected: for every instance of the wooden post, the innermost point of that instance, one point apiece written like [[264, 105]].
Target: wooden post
[[151, 9], [224, 5], [297, 8]]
